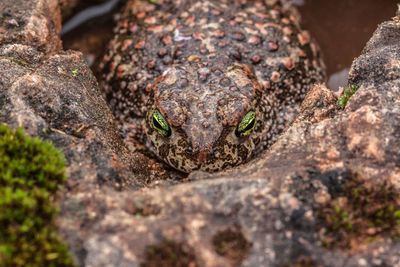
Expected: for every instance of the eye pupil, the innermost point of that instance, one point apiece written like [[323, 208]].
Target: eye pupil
[[250, 125], [156, 123]]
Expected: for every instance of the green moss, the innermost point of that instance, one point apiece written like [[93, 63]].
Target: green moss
[[348, 92], [31, 171], [368, 210]]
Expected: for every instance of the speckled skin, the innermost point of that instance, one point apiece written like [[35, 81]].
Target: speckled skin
[[204, 65]]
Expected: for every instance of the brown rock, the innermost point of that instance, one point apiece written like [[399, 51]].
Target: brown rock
[[35, 23]]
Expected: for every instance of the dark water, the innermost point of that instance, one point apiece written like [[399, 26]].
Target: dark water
[[341, 27]]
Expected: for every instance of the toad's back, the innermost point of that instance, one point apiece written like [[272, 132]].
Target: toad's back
[[200, 42]]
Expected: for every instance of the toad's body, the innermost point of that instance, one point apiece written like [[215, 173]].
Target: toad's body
[[208, 84]]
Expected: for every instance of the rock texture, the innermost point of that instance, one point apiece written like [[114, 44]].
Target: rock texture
[[34, 23], [53, 94], [326, 194]]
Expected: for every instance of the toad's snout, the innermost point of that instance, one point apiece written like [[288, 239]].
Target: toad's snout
[[203, 141], [203, 155], [199, 154]]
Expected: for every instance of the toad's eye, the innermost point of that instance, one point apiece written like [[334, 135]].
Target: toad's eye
[[246, 126], [160, 124]]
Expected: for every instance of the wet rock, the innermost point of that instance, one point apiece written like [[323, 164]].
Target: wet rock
[[326, 194]]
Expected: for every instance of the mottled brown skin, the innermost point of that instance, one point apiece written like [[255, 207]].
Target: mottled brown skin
[[204, 65]]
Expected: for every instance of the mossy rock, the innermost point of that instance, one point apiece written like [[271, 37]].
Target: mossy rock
[[31, 171], [366, 211], [348, 92]]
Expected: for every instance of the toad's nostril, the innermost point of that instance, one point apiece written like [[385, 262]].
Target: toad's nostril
[[203, 155]]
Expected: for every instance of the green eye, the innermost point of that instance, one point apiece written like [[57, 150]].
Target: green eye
[[160, 124], [247, 124]]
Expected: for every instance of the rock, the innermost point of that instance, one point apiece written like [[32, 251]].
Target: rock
[[325, 194], [35, 23], [54, 95]]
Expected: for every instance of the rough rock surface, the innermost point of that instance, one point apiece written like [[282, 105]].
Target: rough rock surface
[[28, 22], [326, 194], [54, 95]]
